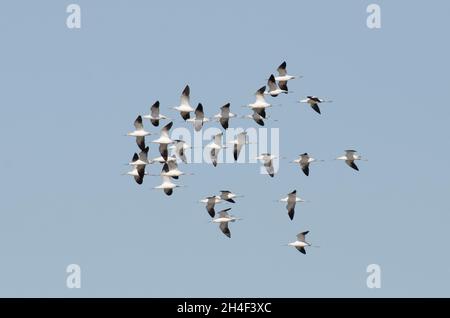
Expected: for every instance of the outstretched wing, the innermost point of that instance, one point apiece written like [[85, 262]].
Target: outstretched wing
[[140, 141], [224, 228], [283, 85], [138, 123], [269, 167], [282, 69], [154, 110], [185, 96]]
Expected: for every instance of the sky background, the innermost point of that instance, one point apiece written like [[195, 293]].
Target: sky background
[[68, 96]]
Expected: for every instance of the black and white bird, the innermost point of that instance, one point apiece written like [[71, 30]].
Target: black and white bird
[[167, 186], [314, 102], [154, 115], [291, 201], [180, 147], [142, 158], [138, 171], [283, 77], [215, 147], [223, 219], [139, 132], [238, 143], [170, 169], [228, 196], [304, 160], [350, 157], [257, 117], [301, 243], [164, 135], [260, 103], [199, 118], [185, 107], [224, 116], [274, 90], [210, 204], [267, 160]]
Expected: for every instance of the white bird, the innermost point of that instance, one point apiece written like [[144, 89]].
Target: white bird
[[300, 243], [139, 132], [138, 171], [314, 102], [224, 116], [142, 159], [350, 157], [164, 136], [241, 140], [282, 73], [210, 204], [161, 159], [228, 196], [267, 160], [167, 185], [170, 169], [199, 118], [223, 219], [154, 115], [304, 160], [291, 201], [257, 117], [185, 107], [274, 91], [260, 103], [180, 148], [215, 147]]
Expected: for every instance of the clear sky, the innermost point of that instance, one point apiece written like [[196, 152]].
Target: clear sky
[[68, 96]]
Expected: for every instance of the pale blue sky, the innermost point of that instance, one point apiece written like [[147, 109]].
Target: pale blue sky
[[68, 96]]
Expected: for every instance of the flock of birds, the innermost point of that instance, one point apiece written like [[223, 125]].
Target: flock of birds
[[275, 86]]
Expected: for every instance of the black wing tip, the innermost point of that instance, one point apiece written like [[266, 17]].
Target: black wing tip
[[187, 90], [261, 90], [291, 214], [230, 200], [272, 78], [156, 104], [282, 65], [306, 171]]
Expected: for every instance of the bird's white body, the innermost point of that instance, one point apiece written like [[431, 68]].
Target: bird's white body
[[223, 219], [230, 115], [158, 117], [259, 104], [139, 162], [217, 200], [166, 185], [173, 173], [301, 160], [276, 92], [161, 159], [139, 133], [184, 108], [297, 199], [163, 140], [193, 120], [349, 156], [298, 244], [285, 78], [135, 173]]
